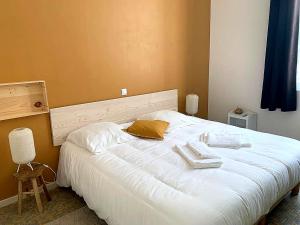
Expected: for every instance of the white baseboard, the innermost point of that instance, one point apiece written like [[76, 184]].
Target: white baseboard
[[14, 199], [8, 201]]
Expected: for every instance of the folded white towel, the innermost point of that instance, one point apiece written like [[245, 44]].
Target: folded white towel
[[188, 156], [202, 150], [225, 140]]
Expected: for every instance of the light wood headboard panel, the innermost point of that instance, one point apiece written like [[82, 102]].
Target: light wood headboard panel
[[120, 110]]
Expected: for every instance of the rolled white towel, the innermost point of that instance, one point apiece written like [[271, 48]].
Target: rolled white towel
[[225, 140], [202, 150], [186, 154]]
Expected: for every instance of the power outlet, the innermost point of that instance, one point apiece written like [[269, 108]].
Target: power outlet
[[124, 91]]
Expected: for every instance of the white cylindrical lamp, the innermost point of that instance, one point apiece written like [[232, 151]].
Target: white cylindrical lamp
[[191, 106], [22, 146]]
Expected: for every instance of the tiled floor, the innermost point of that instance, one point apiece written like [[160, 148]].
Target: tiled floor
[[66, 208]]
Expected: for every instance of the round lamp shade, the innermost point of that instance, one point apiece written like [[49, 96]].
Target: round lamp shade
[[21, 145], [191, 106]]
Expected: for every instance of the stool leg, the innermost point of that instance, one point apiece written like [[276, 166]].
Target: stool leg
[[45, 188], [20, 196], [37, 194]]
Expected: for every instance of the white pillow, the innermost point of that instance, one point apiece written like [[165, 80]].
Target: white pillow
[[98, 136], [176, 120]]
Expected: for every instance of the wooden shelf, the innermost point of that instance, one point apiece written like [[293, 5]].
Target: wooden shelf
[[23, 99]]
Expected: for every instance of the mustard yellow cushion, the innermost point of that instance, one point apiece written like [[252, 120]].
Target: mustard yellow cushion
[[153, 129]]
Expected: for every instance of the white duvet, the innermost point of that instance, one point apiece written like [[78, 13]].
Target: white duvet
[[145, 182]]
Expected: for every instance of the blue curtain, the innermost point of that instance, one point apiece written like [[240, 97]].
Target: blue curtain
[[279, 87]]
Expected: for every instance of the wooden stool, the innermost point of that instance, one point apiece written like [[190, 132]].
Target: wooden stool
[[35, 178]]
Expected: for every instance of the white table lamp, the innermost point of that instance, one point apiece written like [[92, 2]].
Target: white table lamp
[[191, 106], [22, 146]]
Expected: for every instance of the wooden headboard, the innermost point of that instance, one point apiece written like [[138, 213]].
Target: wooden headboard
[[121, 110]]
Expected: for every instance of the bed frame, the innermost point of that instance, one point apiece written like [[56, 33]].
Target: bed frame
[[66, 119], [293, 192], [121, 110]]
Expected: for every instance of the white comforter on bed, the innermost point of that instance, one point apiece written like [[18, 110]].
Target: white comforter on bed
[[145, 182]]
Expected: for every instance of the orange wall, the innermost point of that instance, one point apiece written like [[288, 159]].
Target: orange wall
[[88, 50]]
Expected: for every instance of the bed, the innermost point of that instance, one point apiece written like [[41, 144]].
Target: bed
[[145, 182]]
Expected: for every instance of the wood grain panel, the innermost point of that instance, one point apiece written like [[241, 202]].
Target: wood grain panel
[[120, 110], [18, 99]]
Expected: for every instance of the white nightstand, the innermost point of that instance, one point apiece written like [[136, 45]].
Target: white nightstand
[[246, 120]]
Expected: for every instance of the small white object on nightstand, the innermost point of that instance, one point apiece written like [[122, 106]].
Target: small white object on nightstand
[[247, 120]]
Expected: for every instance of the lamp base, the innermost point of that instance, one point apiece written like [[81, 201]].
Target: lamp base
[[28, 164]]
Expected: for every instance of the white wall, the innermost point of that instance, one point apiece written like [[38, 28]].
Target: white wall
[[238, 43]]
